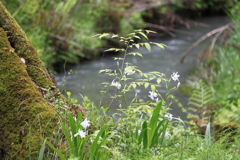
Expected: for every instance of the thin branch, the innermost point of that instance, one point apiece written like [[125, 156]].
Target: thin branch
[[214, 41], [217, 30]]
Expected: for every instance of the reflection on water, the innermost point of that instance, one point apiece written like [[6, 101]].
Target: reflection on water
[[85, 79]]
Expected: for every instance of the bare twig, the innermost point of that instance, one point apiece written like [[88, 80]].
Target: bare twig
[[217, 30], [214, 41]]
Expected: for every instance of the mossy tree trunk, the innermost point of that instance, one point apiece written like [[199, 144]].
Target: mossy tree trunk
[[25, 115]]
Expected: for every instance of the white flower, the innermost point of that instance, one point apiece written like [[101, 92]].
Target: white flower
[[168, 116], [81, 133], [178, 84], [157, 100], [152, 95], [117, 63], [175, 76], [85, 123], [116, 84]]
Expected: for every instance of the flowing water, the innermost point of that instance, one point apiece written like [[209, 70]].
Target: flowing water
[[86, 81]]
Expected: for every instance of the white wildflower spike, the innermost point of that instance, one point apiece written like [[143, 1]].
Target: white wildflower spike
[[178, 84], [152, 95], [85, 123], [169, 116], [120, 105], [117, 63], [80, 133], [116, 84], [175, 76]]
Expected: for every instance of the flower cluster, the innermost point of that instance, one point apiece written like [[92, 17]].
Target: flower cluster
[[84, 124]]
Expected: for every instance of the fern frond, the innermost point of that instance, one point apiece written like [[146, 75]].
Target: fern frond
[[202, 95]]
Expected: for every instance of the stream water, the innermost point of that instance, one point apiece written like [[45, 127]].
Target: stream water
[[86, 81]]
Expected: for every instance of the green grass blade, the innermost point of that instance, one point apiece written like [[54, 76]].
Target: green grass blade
[[145, 134], [94, 147], [70, 143], [154, 121], [157, 133], [163, 132], [41, 153], [56, 150]]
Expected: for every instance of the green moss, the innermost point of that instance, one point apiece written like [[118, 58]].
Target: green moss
[[25, 114], [23, 48]]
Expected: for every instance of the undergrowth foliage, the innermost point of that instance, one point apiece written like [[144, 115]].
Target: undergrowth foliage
[[145, 129], [143, 125]]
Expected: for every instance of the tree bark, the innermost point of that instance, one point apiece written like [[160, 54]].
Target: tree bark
[[25, 115]]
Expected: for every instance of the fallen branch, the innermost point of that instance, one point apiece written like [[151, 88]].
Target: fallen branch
[[209, 34]]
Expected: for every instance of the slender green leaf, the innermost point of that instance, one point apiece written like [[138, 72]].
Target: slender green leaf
[[137, 37], [153, 88], [146, 85], [103, 35], [56, 150], [154, 120], [143, 34], [147, 45], [41, 152], [69, 141], [149, 31], [145, 134], [115, 35], [134, 85], [159, 44], [137, 46], [157, 134]]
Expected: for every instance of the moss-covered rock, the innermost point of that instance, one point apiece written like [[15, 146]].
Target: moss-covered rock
[[24, 113]]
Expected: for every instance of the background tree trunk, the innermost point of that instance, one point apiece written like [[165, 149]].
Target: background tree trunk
[[25, 115]]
